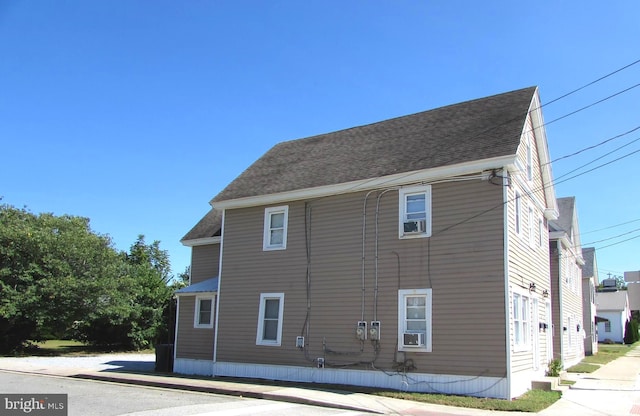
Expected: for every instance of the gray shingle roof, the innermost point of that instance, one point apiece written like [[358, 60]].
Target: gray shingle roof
[[469, 131], [209, 226], [565, 219]]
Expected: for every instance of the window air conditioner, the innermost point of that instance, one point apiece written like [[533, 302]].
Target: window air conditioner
[[417, 226], [413, 339]]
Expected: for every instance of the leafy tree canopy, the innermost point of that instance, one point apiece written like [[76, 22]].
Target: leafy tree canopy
[[59, 279]]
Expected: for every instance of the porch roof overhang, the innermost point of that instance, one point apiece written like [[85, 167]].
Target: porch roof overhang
[[206, 286], [601, 319]]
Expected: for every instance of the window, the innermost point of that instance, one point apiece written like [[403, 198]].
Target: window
[[414, 316], [532, 229], [270, 319], [518, 201], [415, 212], [275, 228], [541, 232], [607, 326], [529, 157], [521, 326], [203, 312]]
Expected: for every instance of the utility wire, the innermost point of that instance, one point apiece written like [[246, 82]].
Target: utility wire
[[609, 227], [593, 146], [611, 238], [598, 158], [589, 106], [591, 83]]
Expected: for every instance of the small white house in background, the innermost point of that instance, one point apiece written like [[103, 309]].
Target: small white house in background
[[614, 307]]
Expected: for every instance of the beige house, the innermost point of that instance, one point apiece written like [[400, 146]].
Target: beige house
[[410, 254], [566, 284]]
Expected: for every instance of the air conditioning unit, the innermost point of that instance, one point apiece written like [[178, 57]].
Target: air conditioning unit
[[417, 226], [413, 339]]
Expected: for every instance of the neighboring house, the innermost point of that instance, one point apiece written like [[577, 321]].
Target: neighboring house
[[614, 308], [589, 283], [410, 253], [632, 279], [566, 284]]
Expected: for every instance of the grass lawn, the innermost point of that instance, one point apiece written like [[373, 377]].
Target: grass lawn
[[58, 347], [531, 401], [606, 353]]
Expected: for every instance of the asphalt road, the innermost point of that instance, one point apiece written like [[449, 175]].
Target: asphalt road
[[94, 398]]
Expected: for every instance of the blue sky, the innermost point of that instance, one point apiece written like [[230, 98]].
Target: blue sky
[[136, 113]]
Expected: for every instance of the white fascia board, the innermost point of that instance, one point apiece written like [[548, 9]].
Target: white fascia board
[[537, 120], [179, 295], [201, 241], [405, 178]]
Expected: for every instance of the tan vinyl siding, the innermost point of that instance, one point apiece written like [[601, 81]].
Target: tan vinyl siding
[[205, 261], [195, 343], [528, 260], [555, 300], [462, 262]]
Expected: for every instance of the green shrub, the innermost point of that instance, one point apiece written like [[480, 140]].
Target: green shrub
[[554, 368]]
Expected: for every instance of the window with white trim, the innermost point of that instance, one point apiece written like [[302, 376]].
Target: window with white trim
[[518, 206], [415, 212], [521, 321], [607, 326], [270, 319], [532, 229], [529, 156], [541, 232], [203, 312], [414, 320], [275, 228]]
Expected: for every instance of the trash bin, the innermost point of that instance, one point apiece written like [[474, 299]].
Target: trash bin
[[164, 358]]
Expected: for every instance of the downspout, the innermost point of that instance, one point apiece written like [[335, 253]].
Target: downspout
[[215, 334], [364, 229], [375, 290], [175, 335], [560, 308], [505, 259]]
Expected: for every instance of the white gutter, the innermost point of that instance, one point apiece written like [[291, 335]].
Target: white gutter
[[201, 241], [405, 178], [215, 334]]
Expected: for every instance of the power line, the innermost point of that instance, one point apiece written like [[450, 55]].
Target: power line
[[597, 167], [598, 158], [590, 105], [609, 227], [593, 147], [591, 83], [619, 242], [611, 238]]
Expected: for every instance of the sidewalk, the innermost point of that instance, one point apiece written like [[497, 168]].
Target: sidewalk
[[611, 390]]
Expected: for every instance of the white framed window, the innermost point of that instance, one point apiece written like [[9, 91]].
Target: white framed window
[[518, 208], [415, 212], [275, 228], [521, 322], [532, 228], [541, 233], [270, 319], [414, 320], [203, 317], [529, 156], [607, 326]]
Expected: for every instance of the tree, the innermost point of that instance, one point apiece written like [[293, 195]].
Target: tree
[[51, 272], [59, 279], [131, 310]]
